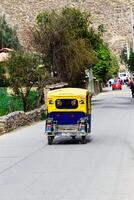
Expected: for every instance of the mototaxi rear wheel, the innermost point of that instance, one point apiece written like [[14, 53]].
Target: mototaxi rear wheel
[[73, 137], [83, 139], [50, 140]]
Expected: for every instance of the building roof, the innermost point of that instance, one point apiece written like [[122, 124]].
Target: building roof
[[6, 50], [4, 54]]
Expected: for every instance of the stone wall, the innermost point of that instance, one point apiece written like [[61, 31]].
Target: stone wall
[[114, 14], [97, 87], [20, 118]]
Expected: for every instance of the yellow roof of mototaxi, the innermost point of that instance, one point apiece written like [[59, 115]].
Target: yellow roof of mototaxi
[[67, 92]]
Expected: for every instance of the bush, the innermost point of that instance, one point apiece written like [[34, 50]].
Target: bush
[[11, 103], [32, 100], [43, 116]]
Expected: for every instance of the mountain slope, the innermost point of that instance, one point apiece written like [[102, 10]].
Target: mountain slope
[[114, 14]]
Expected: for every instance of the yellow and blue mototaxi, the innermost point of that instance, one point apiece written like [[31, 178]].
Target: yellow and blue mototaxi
[[68, 113]]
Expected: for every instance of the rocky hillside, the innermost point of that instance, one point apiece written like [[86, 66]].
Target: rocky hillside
[[115, 15]]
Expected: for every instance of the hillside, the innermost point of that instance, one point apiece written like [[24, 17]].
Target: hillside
[[114, 14]]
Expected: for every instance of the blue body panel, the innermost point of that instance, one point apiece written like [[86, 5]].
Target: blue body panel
[[68, 118]]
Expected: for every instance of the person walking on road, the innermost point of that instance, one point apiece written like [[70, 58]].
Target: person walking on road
[[132, 87]]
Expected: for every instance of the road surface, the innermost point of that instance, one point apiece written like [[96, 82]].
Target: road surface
[[102, 169]]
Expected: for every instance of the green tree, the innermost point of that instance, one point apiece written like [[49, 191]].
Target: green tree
[[123, 56], [131, 62], [76, 22], [8, 35], [114, 68], [23, 73], [107, 65], [60, 38], [70, 45], [3, 81]]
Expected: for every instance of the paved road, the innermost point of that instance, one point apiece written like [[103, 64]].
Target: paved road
[[102, 169]]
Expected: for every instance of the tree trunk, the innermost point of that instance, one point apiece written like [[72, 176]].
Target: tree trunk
[[40, 99], [24, 104], [25, 98]]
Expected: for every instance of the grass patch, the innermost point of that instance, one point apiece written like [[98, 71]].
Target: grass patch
[[11, 103]]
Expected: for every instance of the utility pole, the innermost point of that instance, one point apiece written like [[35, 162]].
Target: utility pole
[[127, 50], [89, 75], [132, 27]]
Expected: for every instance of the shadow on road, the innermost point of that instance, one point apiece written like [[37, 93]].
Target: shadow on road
[[96, 101], [70, 141], [120, 103], [116, 102], [131, 148]]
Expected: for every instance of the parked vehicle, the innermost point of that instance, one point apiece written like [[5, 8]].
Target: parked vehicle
[[117, 85], [111, 81], [68, 114], [124, 76]]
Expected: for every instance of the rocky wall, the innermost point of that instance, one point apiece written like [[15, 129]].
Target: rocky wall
[[20, 118]]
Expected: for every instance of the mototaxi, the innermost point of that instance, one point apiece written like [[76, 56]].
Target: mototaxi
[[68, 113]]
